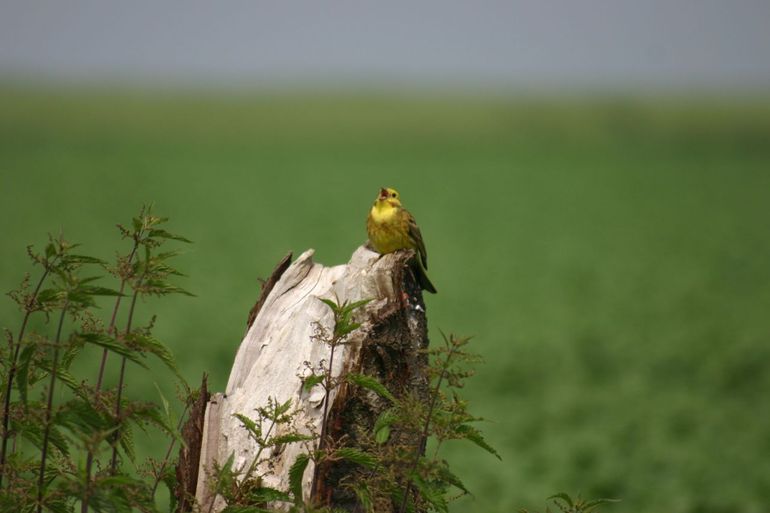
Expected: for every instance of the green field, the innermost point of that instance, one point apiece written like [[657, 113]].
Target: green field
[[611, 256]]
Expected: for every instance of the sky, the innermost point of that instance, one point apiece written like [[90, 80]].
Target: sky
[[560, 44]]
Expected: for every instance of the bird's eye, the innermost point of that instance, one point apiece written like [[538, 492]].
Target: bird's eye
[[392, 194]]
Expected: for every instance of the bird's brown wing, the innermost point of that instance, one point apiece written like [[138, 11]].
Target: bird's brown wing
[[416, 237]]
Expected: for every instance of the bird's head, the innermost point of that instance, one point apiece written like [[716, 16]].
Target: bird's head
[[388, 196]]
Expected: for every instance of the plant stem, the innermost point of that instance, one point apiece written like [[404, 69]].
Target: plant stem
[[12, 371], [118, 407], [111, 327], [426, 426], [327, 391], [100, 378], [168, 452], [48, 409]]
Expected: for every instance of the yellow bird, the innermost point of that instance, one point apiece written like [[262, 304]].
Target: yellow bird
[[391, 227]]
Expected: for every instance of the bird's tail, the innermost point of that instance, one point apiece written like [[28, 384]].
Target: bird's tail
[[422, 276]]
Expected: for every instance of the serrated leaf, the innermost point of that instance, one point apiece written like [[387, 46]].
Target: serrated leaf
[[51, 296], [157, 348], [296, 472], [370, 383], [356, 456], [266, 494], [449, 477], [127, 443], [78, 415], [593, 504], [432, 494], [310, 381], [168, 478], [563, 496], [162, 288], [163, 234], [101, 291], [65, 377], [331, 304], [474, 435], [364, 496], [282, 408], [113, 345], [82, 259], [22, 377], [290, 438], [382, 425], [246, 509], [381, 435], [249, 424]]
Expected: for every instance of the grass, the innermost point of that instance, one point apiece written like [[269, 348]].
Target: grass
[[609, 255]]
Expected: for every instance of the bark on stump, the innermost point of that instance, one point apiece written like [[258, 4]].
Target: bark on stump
[[279, 340]]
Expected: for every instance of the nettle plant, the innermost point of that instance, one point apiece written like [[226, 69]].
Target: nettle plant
[[67, 441]]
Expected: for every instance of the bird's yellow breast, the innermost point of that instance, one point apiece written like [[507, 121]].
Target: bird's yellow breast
[[382, 212], [387, 229]]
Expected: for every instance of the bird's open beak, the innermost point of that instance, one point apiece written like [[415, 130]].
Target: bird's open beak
[[383, 193]]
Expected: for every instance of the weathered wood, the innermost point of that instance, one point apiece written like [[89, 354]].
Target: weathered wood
[[272, 358], [267, 286]]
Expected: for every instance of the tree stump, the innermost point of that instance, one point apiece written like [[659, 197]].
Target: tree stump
[[389, 346]]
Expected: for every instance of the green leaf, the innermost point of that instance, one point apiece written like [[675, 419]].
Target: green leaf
[[127, 443], [310, 381], [100, 291], [357, 304], [282, 408], [370, 383], [50, 297], [331, 304], [382, 425], [364, 496], [168, 478], [109, 343], [266, 494], [449, 477], [162, 288], [142, 413], [80, 416], [32, 431], [591, 505], [68, 379], [474, 435], [356, 456], [432, 493], [249, 424], [564, 497], [246, 509], [296, 472], [82, 259], [290, 438], [343, 328], [22, 378], [163, 234], [157, 348]]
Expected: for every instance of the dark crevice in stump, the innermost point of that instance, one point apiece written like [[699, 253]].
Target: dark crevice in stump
[[189, 453], [393, 352]]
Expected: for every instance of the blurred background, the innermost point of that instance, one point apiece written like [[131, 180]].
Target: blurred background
[[592, 180]]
